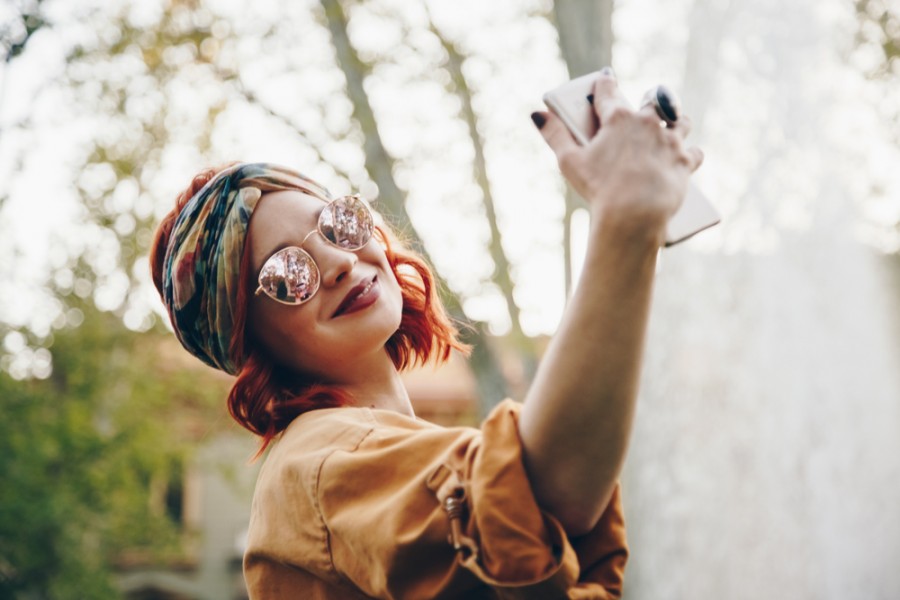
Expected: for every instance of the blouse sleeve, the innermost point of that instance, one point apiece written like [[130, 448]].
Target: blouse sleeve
[[392, 503]]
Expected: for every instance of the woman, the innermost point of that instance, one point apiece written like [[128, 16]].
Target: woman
[[357, 498]]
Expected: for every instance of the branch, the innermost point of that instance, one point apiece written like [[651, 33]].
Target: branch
[[503, 279], [248, 95], [380, 166]]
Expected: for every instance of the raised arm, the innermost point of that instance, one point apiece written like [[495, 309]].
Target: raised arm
[[578, 413]]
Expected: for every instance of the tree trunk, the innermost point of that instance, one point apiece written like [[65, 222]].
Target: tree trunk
[[585, 40], [585, 34]]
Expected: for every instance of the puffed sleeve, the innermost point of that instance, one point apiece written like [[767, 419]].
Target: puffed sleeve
[[391, 528]]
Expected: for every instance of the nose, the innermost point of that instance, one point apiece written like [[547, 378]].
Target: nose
[[334, 263]]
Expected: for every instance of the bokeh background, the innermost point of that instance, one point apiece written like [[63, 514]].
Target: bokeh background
[[766, 455]]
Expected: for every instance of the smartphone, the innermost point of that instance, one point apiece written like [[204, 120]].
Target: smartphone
[[572, 102]]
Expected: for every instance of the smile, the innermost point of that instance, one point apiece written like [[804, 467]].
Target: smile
[[361, 296]]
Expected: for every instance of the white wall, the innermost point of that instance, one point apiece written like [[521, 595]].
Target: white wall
[[766, 457]]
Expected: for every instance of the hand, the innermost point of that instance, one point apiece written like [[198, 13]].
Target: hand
[[634, 172]]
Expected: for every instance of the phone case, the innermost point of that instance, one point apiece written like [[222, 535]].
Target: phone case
[[572, 102]]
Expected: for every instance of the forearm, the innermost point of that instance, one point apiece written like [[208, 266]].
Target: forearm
[[578, 414]]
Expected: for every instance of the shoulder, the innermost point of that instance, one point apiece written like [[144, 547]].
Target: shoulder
[[353, 446], [319, 433], [326, 435]]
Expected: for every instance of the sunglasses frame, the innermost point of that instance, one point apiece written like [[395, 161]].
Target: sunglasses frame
[[261, 289]]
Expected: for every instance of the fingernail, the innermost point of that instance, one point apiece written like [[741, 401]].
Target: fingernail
[[539, 119], [608, 72]]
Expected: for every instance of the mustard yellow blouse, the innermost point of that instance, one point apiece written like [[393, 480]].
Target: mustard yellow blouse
[[360, 503]]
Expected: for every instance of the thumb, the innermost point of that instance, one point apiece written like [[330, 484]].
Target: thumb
[[555, 132]]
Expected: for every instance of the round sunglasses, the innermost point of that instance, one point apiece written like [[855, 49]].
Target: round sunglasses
[[291, 276]]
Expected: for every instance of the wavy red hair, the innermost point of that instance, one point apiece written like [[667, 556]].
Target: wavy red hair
[[265, 397]]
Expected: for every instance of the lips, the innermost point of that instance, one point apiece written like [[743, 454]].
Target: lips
[[359, 297]]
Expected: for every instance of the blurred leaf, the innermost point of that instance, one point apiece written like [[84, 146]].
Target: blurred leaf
[[80, 453], [15, 35], [879, 25]]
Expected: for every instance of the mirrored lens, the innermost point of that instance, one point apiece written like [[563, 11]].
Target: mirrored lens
[[347, 223], [289, 276]]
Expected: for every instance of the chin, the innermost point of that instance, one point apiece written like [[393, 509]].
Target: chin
[[374, 326]]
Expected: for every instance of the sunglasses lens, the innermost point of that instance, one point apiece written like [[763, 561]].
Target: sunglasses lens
[[289, 276], [347, 223]]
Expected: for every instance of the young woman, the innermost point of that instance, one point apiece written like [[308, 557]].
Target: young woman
[[315, 310]]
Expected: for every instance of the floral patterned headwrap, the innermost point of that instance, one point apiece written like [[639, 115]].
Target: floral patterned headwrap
[[201, 274]]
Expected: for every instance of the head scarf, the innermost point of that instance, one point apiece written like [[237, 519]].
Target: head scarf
[[201, 269]]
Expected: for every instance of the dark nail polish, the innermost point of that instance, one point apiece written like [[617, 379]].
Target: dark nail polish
[[539, 120], [590, 99]]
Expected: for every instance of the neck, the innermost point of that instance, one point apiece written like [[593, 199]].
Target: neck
[[378, 385]]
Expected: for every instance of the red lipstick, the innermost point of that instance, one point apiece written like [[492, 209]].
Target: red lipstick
[[359, 297]]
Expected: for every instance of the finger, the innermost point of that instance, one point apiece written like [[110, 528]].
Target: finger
[[648, 113], [555, 132], [695, 158], [608, 98], [682, 126]]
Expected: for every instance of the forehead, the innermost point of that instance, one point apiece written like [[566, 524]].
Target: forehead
[[282, 219]]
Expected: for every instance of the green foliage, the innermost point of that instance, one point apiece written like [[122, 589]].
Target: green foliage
[[879, 26], [15, 34], [85, 458]]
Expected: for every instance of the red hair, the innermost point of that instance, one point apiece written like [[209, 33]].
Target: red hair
[[266, 397]]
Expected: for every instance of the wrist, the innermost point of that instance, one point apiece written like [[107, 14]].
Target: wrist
[[628, 228]]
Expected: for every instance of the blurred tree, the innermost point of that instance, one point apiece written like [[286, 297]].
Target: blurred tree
[[878, 52], [86, 457], [585, 40], [879, 28], [878, 47], [15, 33]]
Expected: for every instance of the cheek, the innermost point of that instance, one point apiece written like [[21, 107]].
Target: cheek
[[277, 331], [392, 294], [396, 303], [391, 288]]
